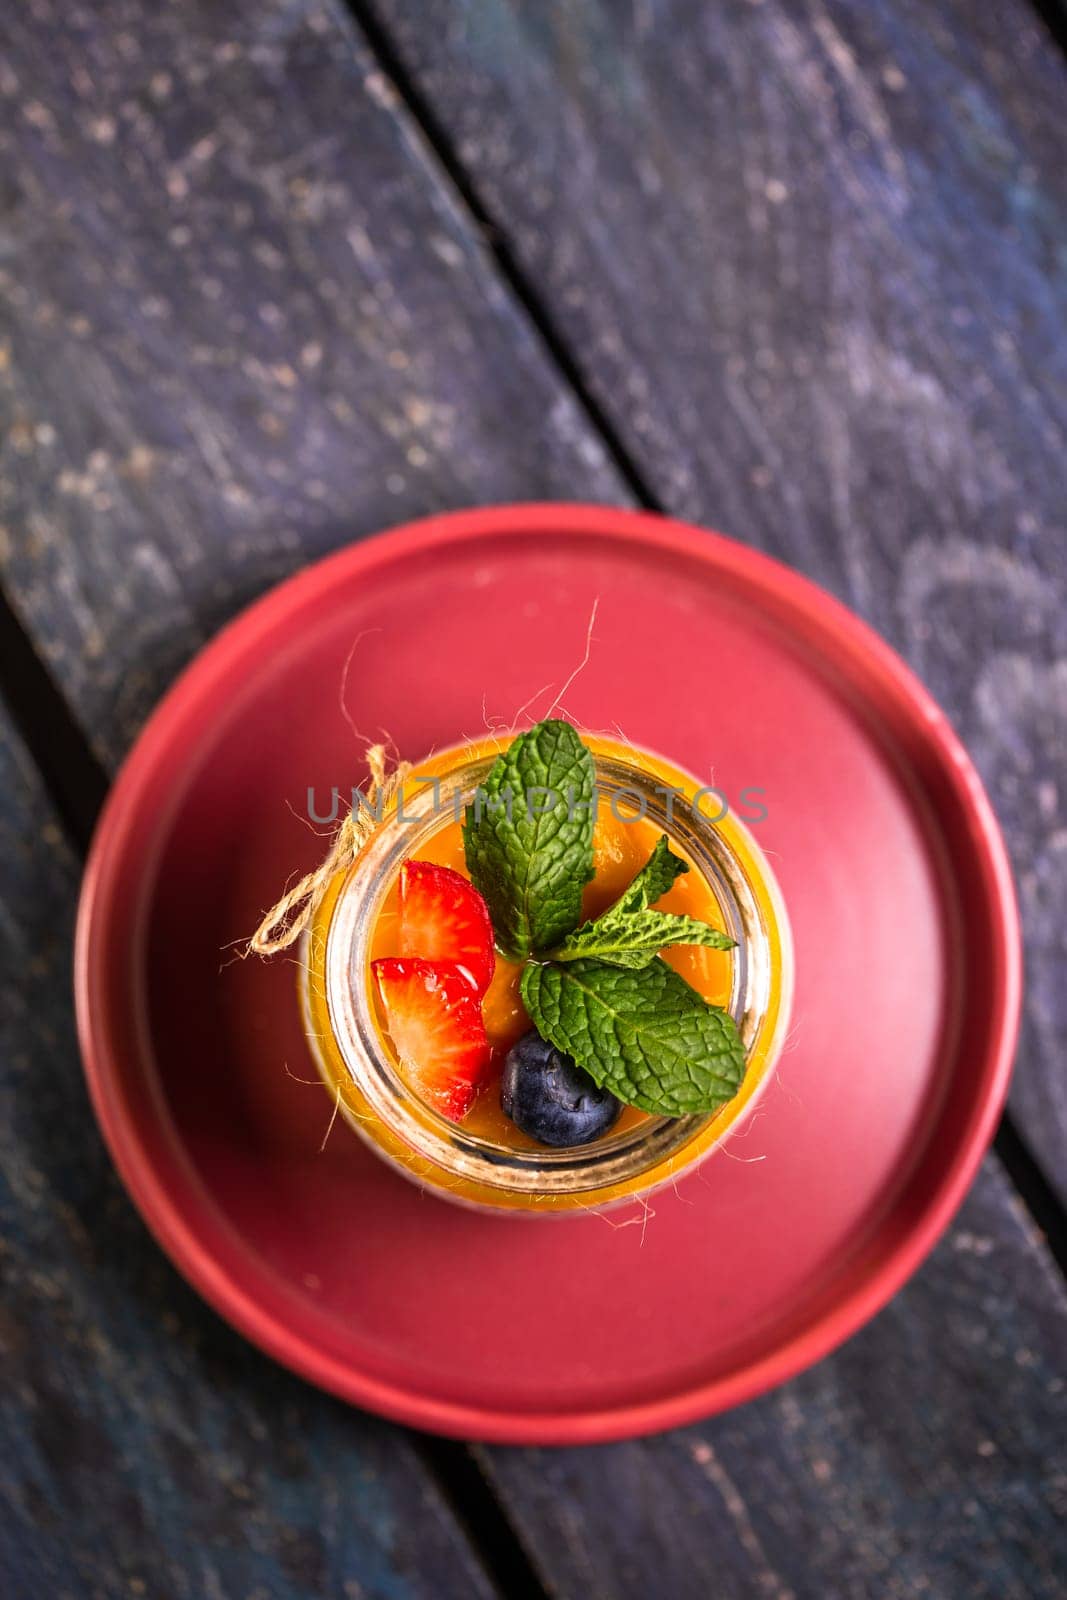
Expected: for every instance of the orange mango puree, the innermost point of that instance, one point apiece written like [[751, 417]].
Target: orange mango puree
[[621, 846]]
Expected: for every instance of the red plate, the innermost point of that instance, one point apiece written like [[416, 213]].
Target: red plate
[[586, 1328]]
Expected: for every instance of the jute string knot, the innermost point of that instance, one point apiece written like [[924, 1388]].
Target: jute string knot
[[286, 921]]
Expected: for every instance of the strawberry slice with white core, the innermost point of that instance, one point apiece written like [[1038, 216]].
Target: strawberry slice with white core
[[444, 918], [434, 1017]]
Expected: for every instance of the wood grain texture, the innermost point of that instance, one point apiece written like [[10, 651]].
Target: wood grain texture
[[145, 1449], [922, 1459], [809, 256], [242, 322]]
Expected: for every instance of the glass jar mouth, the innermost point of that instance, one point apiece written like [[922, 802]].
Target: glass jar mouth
[[446, 1152]]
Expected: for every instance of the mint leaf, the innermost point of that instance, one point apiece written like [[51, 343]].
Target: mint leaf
[[647, 1036], [634, 938], [655, 878], [628, 934], [528, 837]]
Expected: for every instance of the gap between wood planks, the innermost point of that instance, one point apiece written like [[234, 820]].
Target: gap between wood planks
[[496, 242], [1053, 14]]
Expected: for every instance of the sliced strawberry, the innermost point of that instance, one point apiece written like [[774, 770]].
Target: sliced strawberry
[[444, 918], [434, 1018]]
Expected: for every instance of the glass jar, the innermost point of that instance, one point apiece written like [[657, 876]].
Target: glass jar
[[354, 1058]]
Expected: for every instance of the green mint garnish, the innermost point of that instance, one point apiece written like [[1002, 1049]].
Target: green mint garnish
[[601, 995], [628, 934], [634, 938], [655, 878], [647, 1036], [528, 837]]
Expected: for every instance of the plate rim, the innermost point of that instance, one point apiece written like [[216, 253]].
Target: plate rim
[[860, 1301]]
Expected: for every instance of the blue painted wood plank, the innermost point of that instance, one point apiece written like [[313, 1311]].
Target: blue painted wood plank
[[145, 1449], [242, 322], [924, 1458]]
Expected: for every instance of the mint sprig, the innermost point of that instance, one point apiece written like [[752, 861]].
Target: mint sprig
[[628, 933], [647, 1036], [655, 878], [528, 837], [600, 991], [634, 938]]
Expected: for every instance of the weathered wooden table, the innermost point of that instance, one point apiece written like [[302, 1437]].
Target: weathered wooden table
[[275, 275]]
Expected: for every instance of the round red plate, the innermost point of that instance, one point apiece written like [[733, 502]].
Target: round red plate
[[575, 1329]]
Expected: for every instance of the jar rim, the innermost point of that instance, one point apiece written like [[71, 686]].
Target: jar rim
[[446, 1152]]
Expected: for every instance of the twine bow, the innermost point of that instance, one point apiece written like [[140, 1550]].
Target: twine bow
[[286, 921]]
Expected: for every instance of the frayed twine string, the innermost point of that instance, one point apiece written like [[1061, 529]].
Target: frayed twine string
[[286, 921]]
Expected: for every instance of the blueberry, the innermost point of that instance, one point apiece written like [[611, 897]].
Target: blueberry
[[551, 1098]]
